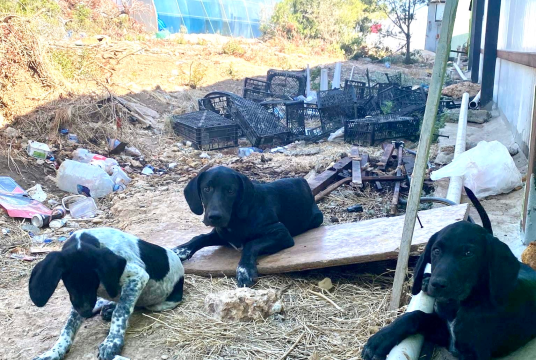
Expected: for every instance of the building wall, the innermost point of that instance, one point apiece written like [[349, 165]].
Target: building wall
[[514, 83], [462, 26]]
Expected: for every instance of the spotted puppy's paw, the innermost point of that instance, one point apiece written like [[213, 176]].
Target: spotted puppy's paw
[[111, 347], [49, 355], [246, 275], [107, 311], [183, 252]]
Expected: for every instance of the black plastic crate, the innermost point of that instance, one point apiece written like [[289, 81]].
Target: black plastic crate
[[255, 84], [289, 84], [216, 102], [360, 88], [394, 78], [206, 130], [336, 106], [257, 95], [368, 131]]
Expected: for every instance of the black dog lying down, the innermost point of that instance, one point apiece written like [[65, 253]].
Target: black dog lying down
[[115, 266], [261, 218], [485, 298]]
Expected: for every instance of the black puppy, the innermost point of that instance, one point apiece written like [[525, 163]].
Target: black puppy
[[485, 298], [261, 218]]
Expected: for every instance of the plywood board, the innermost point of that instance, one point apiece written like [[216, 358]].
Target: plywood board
[[352, 243]]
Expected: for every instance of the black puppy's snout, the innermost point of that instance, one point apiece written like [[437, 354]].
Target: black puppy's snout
[[438, 283], [215, 216]]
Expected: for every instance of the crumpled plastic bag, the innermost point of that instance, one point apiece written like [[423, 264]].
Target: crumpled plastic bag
[[488, 169]]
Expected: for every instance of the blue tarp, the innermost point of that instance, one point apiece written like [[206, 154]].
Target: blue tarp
[[240, 18]]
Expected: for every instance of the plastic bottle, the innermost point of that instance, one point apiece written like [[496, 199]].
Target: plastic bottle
[[79, 178], [119, 176], [84, 156]]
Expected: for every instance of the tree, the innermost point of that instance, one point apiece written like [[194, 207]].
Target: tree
[[402, 14]]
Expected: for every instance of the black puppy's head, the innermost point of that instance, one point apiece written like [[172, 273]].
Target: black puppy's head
[[221, 192], [466, 258], [82, 266]]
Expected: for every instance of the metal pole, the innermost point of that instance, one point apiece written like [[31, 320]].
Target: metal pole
[[432, 104], [528, 221], [456, 182], [476, 38], [493, 18]]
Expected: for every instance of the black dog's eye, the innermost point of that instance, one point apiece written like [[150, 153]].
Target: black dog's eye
[[436, 251], [207, 189], [468, 253], [230, 191]]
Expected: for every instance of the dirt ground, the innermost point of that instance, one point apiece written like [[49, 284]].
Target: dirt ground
[[155, 74]]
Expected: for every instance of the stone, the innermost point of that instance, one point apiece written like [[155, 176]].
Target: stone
[[473, 116], [444, 158], [11, 133], [513, 149], [243, 304]]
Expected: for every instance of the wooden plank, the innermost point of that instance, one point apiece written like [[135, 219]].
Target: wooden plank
[[326, 246], [356, 166], [518, 57], [387, 152], [322, 181]]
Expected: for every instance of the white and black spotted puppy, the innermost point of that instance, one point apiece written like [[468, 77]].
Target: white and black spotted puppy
[[113, 265]]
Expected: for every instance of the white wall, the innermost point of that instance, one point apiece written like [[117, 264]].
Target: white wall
[[462, 26], [514, 83]]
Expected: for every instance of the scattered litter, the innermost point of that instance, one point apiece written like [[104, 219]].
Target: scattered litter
[[41, 220], [22, 257], [188, 143], [325, 284], [30, 228], [119, 357], [79, 178], [37, 150], [8, 185], [488, 169], [132, 151], [172, 165], [16, 202], [62, 239], [355, 208], [58, 223], [115, 146], [36, 192], [243, 304], [41, 239], [72, 138], [204, 156], [80, 207], [148, 170], [5, 231], [337, 135], [243, 152], [279, 149]]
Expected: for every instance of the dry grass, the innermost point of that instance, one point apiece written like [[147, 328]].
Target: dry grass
[[310, 322]]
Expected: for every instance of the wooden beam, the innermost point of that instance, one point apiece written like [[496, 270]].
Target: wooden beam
[[387, 152], [356, 167], [326, 246], [528, 221], [396, 192], [493, 17], [323, 180], [423, 151], [518, 57]]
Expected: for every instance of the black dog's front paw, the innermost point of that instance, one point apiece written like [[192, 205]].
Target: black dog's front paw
[[111, 347], [107, 311], [246, 276], [377, 347], [183, 252]]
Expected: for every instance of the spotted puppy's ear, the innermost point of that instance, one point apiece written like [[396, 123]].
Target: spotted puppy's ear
[[110, 267], [45, 278], [245, 200], [425, 258], [503, 269], [191, 193]]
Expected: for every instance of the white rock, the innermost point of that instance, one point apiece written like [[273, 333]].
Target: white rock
[[243, 304], [11, 132]]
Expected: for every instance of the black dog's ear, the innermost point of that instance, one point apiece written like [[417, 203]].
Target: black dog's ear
[[191, 193], [425, 258], [246, 197], [110, 267], [503, 270], [45, 278]]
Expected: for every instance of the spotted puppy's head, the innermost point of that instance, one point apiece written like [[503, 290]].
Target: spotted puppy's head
[[83, 266]]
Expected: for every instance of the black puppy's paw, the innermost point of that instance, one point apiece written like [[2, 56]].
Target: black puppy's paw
[[246, 276], [183, 252], [107, 311], [378, 346]]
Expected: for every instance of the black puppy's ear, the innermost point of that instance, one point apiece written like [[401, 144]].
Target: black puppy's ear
[[503, 270], [424, 259], [191, 193], [110, 267], [45, 278], [246, 197]]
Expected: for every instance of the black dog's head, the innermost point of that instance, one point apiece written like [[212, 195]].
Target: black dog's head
[[83, 267], [220, 192], [466, 258]]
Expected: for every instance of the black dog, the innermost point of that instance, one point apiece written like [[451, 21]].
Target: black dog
[[261, 218], [485, 298]]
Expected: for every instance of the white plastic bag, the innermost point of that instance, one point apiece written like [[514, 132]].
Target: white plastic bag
[[488, 169]]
